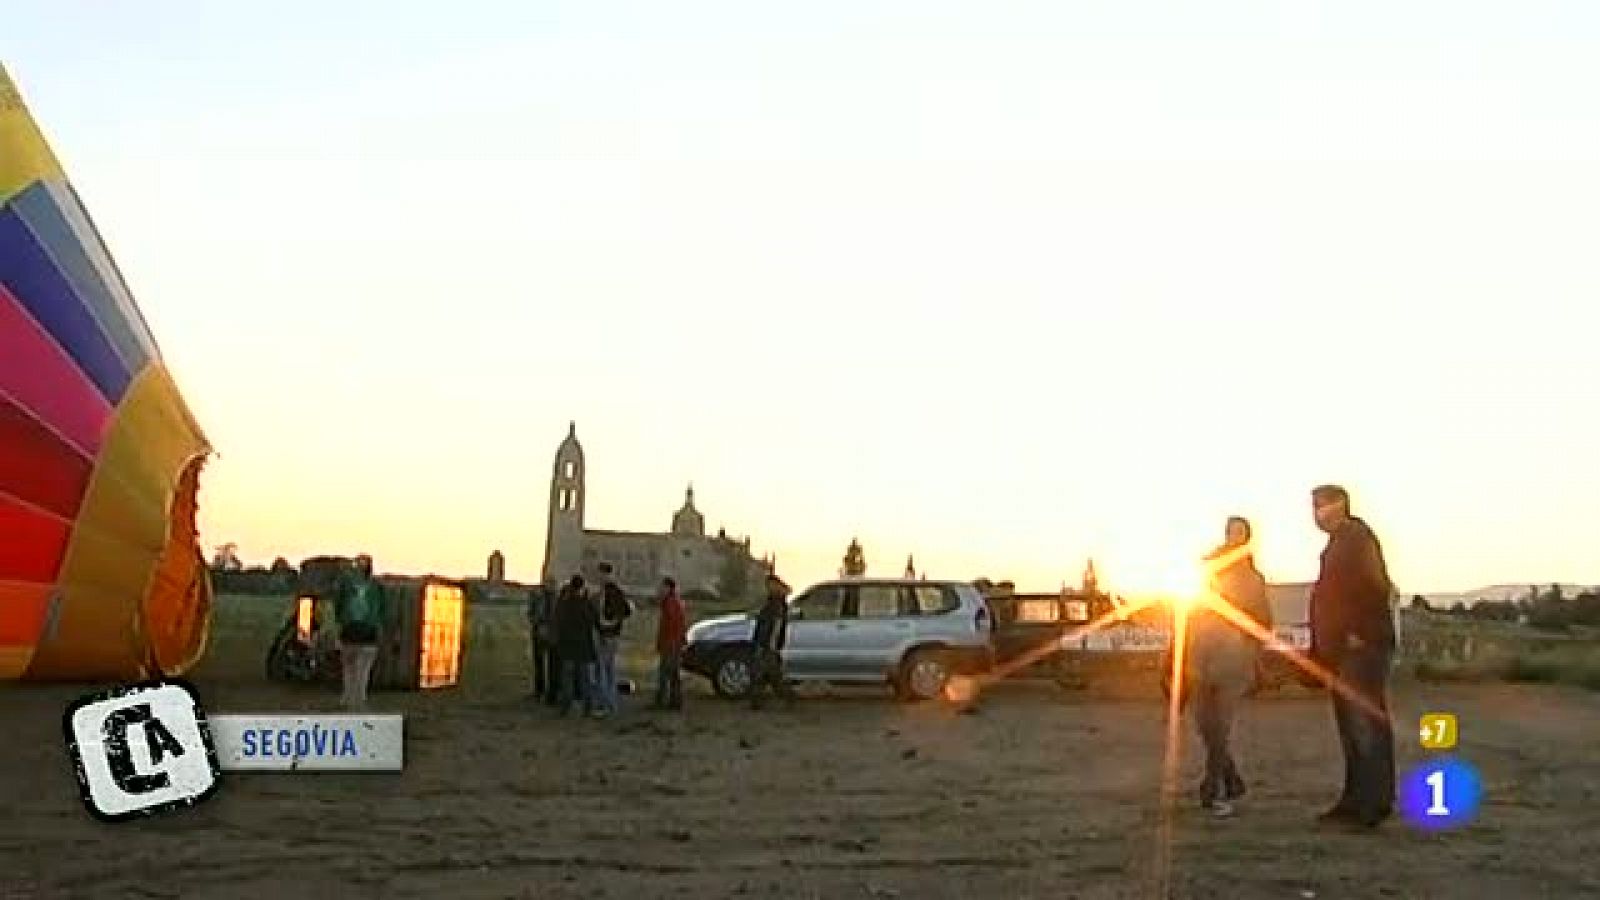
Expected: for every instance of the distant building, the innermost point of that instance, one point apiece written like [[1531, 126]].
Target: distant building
[[717, 565], [497, 568]]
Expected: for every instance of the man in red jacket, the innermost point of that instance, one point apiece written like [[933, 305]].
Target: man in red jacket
[[671, 634]]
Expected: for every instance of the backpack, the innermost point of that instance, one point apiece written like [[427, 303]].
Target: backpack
[[358, 623]]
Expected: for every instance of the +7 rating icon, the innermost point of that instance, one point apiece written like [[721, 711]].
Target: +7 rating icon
[[1438, 731]]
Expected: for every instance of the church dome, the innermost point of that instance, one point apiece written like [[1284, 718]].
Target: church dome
[[687, 521]]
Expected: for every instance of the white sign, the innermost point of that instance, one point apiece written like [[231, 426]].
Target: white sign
[[310, 742], [1296, 636], [1126, 638], [141, 750]]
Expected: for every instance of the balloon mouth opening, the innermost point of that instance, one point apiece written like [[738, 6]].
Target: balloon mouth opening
[[176, 618]]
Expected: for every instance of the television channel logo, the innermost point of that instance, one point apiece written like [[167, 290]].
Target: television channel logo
[[141, 749]]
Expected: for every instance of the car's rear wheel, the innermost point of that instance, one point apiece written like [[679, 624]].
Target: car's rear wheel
[[923, 675], [734, 675]]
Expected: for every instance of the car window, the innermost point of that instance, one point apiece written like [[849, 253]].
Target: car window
[[880, 601], [933, 599], [818, 603]]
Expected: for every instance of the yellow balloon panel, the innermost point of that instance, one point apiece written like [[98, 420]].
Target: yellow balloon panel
[[120, 541], [24, 155]]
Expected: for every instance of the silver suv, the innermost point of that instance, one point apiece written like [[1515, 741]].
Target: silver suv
[[912, 635]]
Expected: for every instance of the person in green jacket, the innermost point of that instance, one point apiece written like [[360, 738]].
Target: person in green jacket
[[360, 607]]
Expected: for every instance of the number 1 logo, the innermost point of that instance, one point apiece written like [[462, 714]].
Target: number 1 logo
[[1436, 784], [1440, 794]]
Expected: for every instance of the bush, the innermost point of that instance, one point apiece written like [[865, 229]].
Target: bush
[[1577, 665]]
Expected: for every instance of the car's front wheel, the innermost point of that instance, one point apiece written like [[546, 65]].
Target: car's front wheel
[[734, 675], [923, 675]]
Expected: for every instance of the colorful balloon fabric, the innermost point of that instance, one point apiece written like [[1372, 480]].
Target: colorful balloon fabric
[[101, 575]]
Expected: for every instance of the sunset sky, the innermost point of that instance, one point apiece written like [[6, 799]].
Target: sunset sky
[[1003, 285]]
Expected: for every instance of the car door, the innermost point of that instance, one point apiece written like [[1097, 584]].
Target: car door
[[816, 618], [878, 627]]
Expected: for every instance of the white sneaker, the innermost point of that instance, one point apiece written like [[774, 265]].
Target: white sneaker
[[1221, 809]]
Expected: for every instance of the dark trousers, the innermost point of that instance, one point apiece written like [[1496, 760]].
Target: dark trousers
[[768, 665], [544, 669], [1216, 706], [1365, 735], [575, 685], [669, 681]]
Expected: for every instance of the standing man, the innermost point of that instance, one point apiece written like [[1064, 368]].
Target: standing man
[[614, 612], [671, 633], [771, 634], [1352, 635], [575, 622], [541, 639], [360, 608]]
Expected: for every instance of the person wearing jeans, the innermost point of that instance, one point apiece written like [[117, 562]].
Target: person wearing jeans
[[614, 611], [671, 634], [359, 608], [1352, 636]]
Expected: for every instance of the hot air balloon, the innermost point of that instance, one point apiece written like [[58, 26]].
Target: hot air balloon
[[101, 575]]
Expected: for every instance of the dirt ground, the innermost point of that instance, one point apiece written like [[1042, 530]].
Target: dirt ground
[[1039, 794]]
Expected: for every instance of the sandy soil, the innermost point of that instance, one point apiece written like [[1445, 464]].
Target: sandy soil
[[1040, 794]]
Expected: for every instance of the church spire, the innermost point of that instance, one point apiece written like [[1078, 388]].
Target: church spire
[[688, 521]]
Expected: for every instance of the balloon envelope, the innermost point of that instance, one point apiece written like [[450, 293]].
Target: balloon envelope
[[100, 569]]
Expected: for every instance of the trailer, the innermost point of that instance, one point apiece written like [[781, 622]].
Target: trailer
[[1032, 631], [424, 635]]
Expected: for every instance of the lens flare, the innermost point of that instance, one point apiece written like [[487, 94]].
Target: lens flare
[[961, 690]]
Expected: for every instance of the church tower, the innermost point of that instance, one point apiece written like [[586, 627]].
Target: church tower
[[563, 542], [688, 522]]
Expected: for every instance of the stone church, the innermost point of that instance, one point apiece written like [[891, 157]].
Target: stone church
[[699, 563]]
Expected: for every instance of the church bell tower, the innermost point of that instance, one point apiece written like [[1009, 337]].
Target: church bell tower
[[563, 542]]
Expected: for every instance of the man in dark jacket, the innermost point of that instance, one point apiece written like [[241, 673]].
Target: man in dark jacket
[[541, 640], [1352, 635], [576, 623], [771, 635]]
